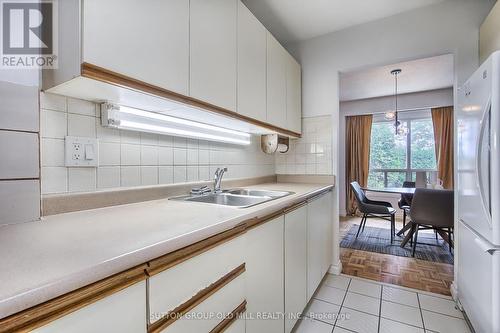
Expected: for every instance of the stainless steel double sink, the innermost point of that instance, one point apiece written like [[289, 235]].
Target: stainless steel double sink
[[240, 198]]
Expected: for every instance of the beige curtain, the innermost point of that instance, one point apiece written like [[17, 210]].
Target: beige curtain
[[442, 120], [358, 134]]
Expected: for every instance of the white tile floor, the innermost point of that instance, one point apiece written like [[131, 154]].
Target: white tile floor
[[345, 304]]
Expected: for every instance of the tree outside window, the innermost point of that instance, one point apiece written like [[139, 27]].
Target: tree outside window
[[396, 158]]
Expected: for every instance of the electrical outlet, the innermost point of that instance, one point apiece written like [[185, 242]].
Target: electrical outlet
[[81, 152]]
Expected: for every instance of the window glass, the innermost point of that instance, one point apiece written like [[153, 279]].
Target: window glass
[[376, 179], [423, 155], [387, 151]]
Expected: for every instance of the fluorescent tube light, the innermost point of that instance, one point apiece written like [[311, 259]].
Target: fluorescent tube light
[[128, 118]]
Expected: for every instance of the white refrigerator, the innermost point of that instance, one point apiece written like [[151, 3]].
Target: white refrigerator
[[478, 190]]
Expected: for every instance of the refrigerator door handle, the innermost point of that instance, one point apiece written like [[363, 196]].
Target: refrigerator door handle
[[484, 199], [483, 243]]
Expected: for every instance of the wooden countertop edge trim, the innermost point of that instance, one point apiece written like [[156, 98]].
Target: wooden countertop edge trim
[[60, 306], [104, 75], [201, 296], [63, 305], [169, 260], [230, 319]]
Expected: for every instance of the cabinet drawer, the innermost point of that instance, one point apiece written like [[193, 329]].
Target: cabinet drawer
[[178, 284], [124, 311], [209, 315]]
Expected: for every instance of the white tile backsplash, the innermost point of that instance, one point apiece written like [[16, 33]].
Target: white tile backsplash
[[54, 180], [180, 174], [192, 173], [81, 179], [130, 176], [180, 156], [53, 124], [52, 151], [79, 125], [166, 174], [311, 154], [130, 154], [108, 177], [109, 153], [82, 107], [149, 155], [128, 158], [149, 175]]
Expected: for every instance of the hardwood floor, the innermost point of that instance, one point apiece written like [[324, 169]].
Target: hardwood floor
[[403, 271]]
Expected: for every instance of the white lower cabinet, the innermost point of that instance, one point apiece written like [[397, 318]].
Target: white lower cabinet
[[124, 311], [265, 278], [275, 267], [295, 265], [208, 314], [319, 240], [191, 276]]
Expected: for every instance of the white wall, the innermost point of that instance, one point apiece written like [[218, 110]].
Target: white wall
[[420, 100], [450, 27], [129, 158], [489, 40]]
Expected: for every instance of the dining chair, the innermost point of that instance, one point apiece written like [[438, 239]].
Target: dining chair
[[372, 208], [404, 202], [432, 209]]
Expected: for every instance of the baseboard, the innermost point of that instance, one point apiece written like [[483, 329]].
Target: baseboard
[[336, 269], [454, 294]]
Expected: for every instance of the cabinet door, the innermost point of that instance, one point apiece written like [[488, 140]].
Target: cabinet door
[[264, 273], [295, 265], [149, 42], [314, 246], [251, 65], [276, 82], [293, 95], [124, 311], [213, 52], [327, 216]]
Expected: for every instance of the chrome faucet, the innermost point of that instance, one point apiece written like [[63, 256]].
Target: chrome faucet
[[218, 178]]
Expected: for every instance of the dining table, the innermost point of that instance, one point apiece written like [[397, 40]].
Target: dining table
[[393, 190], [408, 226]]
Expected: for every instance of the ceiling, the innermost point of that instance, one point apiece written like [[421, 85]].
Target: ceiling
[[294, 20], [418, 75]]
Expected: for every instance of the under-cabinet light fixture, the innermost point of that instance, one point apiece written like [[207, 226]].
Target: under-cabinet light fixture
[[133, 119]]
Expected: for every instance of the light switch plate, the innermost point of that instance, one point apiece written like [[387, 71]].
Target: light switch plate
[[81, 152]]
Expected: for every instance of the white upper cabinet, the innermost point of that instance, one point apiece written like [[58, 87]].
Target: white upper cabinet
[[293, 95], [148, 42], [251, 65], [213, 52], [276, 82]]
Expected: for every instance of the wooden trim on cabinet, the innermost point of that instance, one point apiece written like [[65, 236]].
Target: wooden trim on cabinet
[[230, 319], [197, 299], [61, 306], [317, 195], [104, 75], [167, 261], [255, 222], [295, 207]]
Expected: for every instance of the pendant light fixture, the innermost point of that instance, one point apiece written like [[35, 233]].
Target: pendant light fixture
[[398, 126]]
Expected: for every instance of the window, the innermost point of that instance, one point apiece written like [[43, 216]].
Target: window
[[396, 158]]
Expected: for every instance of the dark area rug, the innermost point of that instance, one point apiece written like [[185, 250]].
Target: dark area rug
[[378, 240]]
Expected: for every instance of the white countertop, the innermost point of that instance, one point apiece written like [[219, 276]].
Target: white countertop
[[43, 260]]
